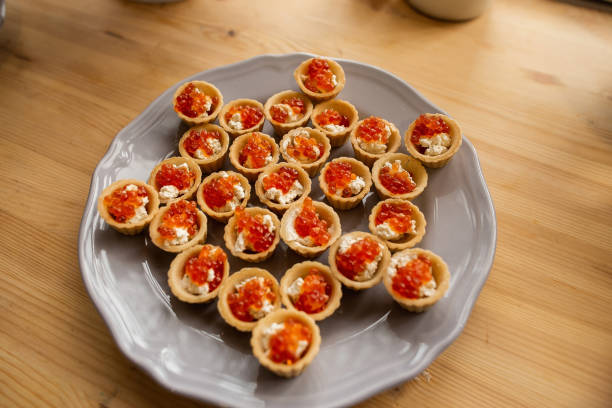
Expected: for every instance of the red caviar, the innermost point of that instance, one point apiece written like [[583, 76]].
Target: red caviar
[[199, 140], [332, 117], [219, 191], [249, 115], [122, 204], [428, 127], [338, 176], [192, 102], [397, 215], [314, 293], [410, 277], [255, 151], [396, 179], [285, 342], [257, 235], [180, 214], [197, 267], [309, 224], [282, 179], [319, 77], [279, 114], [180, 176], [373, 130], [305, 149], [353, 262], [250, 296]]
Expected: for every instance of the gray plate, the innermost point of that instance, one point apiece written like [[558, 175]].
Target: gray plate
[[369, 344]]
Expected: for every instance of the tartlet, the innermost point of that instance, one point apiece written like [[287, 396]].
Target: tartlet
[[319, 227], [401, 215], [189, 275], [372, 137], [182, 238], [228, 188], [342, 166], [356, 244], [431, 129], [181, 170], [308, 148], [320, 79], [280, 362], [193, 105], [425, 295], [287, 110], [237, 286], [281, 185], [254, 148], [236, 115], [295, 297], [399, 185], [207, 145], [137, 221], [335, 119], [260, 248]]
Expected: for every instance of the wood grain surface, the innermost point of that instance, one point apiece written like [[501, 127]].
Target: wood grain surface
[[529, 81]]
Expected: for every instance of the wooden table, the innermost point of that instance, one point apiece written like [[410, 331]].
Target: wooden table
[[530, 82]]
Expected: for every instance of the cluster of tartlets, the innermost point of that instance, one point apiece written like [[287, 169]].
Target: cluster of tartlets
[[177, 200]]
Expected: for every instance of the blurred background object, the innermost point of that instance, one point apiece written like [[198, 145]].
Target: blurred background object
[[456, 10], [2, 11]]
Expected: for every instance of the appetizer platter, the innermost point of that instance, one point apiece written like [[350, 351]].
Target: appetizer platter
[[287, 216]]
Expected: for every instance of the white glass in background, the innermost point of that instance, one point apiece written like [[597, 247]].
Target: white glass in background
[[455, 10]]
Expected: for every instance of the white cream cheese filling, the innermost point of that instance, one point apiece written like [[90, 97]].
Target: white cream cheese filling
[[235, 121], [331, 128], [375, 147], [194, 288], [385, 231], [181, 237], [276, 195], [274, 328], [436, 145], [355, 186], [291, 115], [215, 146], [242, 244], [426, 289], [266, 308], [369, 268], [140, 213], [169, 192]]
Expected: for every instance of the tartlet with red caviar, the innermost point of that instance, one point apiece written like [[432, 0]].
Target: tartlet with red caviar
[[197, 102], [397, 222], [308, 148], [433, 139], [345, 182], [287, 110], [221, 193], [252, 153], [397, 175], [252, 234], [207, 145], [372, 137], [178, 226], [320, 79], [335, 119], [242, 116], [281, 185], [175, 178]]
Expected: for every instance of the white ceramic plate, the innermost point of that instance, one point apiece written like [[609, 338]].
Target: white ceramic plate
[[368, 345]]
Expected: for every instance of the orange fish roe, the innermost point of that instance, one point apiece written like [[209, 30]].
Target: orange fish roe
[[249, 115], [250, 296], [180, 214], [397, 215], [282, 179], [285, 342], [309, 224], [373, 130], [219, 191], [332, 117], [180, 177], [122, 203], [410, 277], [314, 293], [338, 176], [255, 151], [305, 149], [319, 77], [396, 179], [199, 140], [192, 102], [281, 115], [256, 234], [353, 262], [428, 127], [197, 266]]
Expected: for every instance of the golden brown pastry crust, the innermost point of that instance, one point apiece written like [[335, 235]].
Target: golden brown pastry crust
[[214, 162], [279, 316], [302, 69], [231, 233], [394, 142], [359, 285], [193, 166], [441, 159], [346, 203], [282, 128], [302, 269], [129, 229], [248, 102], [210, 90], [222, 216], [413, 166], [228, 287], [311, 168], [407, 241], [158, 240], [440, 274], [303, 178], [177, 271], [236, 148], [343, 107]]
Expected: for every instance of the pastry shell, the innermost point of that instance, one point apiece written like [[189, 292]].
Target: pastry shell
[[210, 90], [394, 142], [129, 228], [214, 162], [411, 239], [302, 69], [325, 212], [157, 239], [344, 108], [228, 287], [311, 168], [282, 128], [231, 234], [359, 285], [285, 370], [236, 148], [440, 274], [178, 161], [177, 271], [302, 269], [441, 159], [346, 203], [303, 178], [225, 215], [413, 166], [247, 102]]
